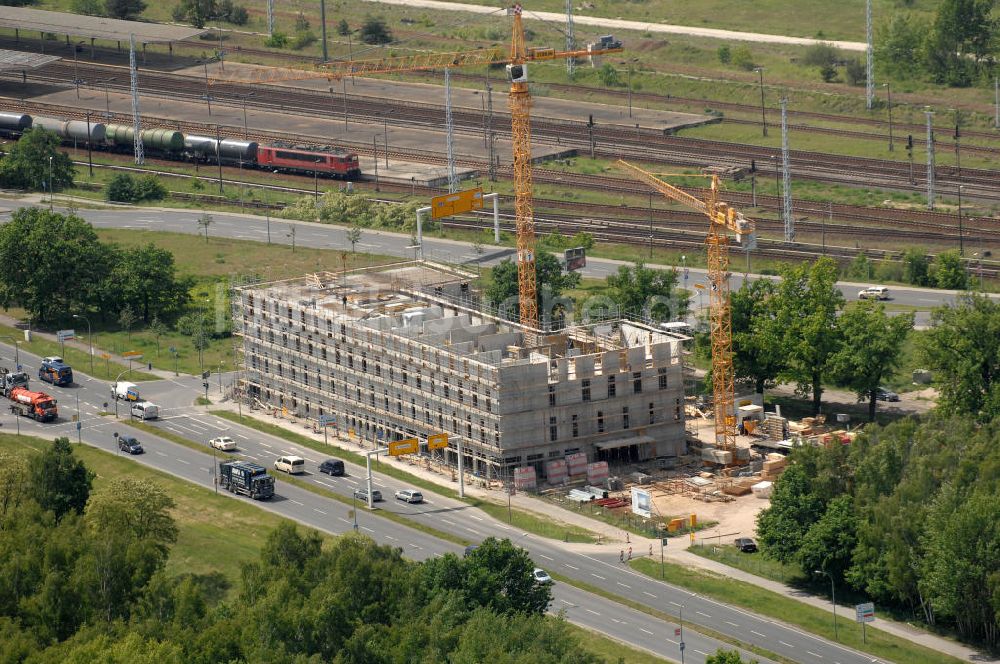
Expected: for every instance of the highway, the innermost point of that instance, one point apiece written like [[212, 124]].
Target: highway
[[590, 564], [323, 236]]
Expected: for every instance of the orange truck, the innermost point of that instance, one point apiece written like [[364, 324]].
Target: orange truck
[[36, 405]]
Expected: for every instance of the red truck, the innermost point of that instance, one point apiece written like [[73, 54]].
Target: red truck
[[36, 405]]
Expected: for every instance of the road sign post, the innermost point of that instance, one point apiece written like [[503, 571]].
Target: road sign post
[[865, 614]]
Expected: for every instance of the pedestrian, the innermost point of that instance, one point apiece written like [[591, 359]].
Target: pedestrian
[[621, 556], [626, 538], [630, 553]]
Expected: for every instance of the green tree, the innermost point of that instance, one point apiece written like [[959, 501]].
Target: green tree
[[724, 656], [743, 58], [144, 279], [375, 31], [758, 341], [35, 158], [916, 267], [829, 543], [828, 73], [50, 264], [855, 72], [949, 271], [550, 282], [649, 293], [608, 75], [794, 508], [962, 348], [354, 236], [124, 9], [157, 328], [58, 481], [871, 342], [809, 303], [343, 29], [899, 44], [204, 221], [860, 268], [962, 36], [127, 318], [724, 54]]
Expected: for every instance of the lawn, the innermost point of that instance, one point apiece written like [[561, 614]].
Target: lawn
[[792, 612]]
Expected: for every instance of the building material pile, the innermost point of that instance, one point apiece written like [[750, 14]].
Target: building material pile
[[774, 465]]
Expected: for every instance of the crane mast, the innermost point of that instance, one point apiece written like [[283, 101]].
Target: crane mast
[[519, 104], [722, 220]]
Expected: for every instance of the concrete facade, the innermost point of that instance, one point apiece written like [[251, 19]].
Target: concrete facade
[[406, 351]]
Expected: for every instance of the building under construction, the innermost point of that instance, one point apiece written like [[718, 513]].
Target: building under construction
[[408, 350]]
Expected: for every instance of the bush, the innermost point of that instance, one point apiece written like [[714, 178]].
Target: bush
[[375, 31], [151, 189], [124, 188], [302, 39], [276, 40], [828, 73], [819, 55], [743, 58], [854, 72], [87, 7], [725, 55]]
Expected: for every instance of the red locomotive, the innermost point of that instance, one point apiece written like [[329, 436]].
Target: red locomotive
[[338, 164]]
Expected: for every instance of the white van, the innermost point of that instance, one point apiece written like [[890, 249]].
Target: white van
[[292, 465], [125, 390], [145, 410]]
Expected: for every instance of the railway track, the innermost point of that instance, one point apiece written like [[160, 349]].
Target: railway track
[[881, 223], [609, 141]]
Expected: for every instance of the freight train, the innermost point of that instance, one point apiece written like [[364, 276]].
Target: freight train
[[171, 144]]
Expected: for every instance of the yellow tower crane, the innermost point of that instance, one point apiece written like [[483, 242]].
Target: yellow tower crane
[[519, 102], [722, 220]]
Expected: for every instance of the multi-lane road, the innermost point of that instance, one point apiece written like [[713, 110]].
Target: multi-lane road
[[593, 565]]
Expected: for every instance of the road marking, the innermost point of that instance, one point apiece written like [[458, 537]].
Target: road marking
[[672, 641], [296, 502], [598, 576], [450, 523], [473, 516], [615, 620], [390, 537], [415, 546], [592, 611], [646, 631], [571, 567], [239, 435], [758, 634], [186, 463], [701, 652], [566, 603], [624, 585], [160, 453], [472, 531], [542, 555], [732, 623], [343, 519], [675, 603], [320, 511], [814, 654], [703, 614], [650, 594], [266, 445], [787, 645]]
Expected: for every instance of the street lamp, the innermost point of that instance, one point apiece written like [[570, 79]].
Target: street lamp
[[246, 132], [961, 240], [50, 183], [833, 599], [115, 395], [17, 354], [888, 90], [90, 338], [763, 118]]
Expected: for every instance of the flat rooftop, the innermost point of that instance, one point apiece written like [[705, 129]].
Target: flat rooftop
[[434, 305], [94, 27], [20, 60]]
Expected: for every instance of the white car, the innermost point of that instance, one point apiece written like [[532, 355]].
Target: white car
[[224, 443], [874, 293], [541, 576]]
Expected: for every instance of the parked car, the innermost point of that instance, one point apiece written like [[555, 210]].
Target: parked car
[[292, 465], [874, 293], [882, 394], [541, 576], [409, 496], [746, 545], [332, 467], [129, 444], [362, 494], [224, 443]]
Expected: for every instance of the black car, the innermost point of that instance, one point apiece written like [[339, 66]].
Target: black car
[[332, 467], [746, 545], [129, 444]]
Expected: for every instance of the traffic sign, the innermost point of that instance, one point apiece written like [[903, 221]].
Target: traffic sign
[[677, 631], [405, 446], [78, 426], [865, 612], [172, 349], [132, 355], [447, 205], [437, 441], [65, 335], [327, 420]]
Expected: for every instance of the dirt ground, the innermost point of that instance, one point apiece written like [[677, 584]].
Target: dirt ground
[[736, 518]]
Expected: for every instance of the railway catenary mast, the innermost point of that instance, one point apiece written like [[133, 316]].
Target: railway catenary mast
[[722, 220], [516, 58]]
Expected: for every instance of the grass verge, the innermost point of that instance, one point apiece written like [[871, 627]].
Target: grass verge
[[612, 650], [793, 612], [586, 587], [520, 519]]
